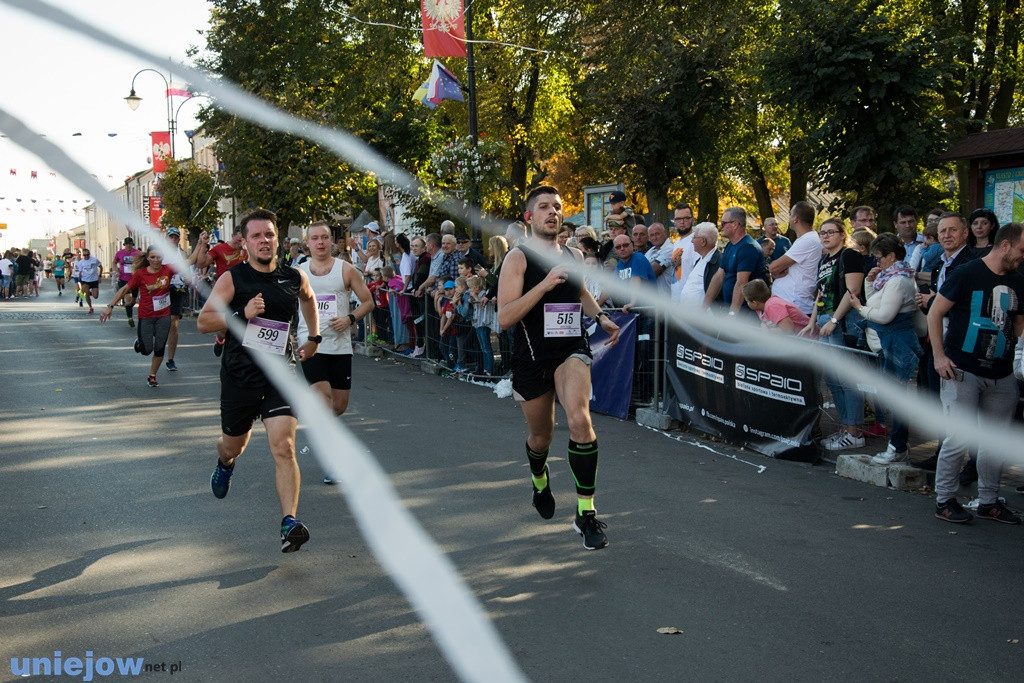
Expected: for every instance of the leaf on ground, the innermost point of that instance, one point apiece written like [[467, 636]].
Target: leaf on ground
[[669, 630]]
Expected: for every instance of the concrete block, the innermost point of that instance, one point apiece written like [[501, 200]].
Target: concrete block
[[368, 350], [906, 478], [859, 466], [898, 475], [649, 417]]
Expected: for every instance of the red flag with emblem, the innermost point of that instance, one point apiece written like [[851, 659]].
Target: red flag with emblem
[[161, 150], [444, 29]]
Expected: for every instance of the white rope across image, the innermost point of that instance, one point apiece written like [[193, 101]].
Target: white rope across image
[[428, 579]]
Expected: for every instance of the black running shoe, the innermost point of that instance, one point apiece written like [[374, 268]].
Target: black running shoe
[[952, 511], [293, 534], [220, 482], [543, 500], [131, 322], [590, 528], [172, 366], [151, 381], [218, 347]]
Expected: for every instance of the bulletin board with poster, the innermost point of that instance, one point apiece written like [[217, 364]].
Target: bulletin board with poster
[[1004, 194], [595, 203]]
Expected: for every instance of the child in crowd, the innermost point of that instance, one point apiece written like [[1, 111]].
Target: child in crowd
[[446, 310], [485, 319], [774, 311], [862, 239], [378, 287], [465, 267], [928, 255], [463, 320]]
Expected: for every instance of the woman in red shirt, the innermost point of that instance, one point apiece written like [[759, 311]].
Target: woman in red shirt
[[154, 285]]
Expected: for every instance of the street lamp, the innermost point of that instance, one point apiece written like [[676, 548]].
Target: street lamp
[[134, 101], [177, 110]]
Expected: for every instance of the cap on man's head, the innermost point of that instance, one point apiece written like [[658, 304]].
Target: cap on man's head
[[462, 237], [373, 227], [617, 196], [129, 240], [173, 231], [450, 284]]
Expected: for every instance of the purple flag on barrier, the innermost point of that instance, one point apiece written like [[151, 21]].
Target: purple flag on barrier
[[611, 375]]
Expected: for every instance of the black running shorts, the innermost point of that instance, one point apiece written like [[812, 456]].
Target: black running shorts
[[329, 367], [240, 406], [534, 378], [178, 298]]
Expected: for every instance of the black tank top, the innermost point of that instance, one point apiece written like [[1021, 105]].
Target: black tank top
[[280, 289], [530, 342]]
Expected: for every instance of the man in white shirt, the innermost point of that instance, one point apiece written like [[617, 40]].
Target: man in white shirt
[[6, 275], [683, 257], [91, 271], [660, 256], [796, 272], [705, 245]]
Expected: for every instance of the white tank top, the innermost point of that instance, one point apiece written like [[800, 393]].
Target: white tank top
[[325, 287]]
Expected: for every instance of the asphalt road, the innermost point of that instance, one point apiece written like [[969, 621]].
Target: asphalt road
[[113, 543]]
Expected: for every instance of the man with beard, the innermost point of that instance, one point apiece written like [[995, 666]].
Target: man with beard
[[262, 295], [552, 356]]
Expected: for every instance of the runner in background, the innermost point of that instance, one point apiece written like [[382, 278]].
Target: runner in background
[[333, 280], [225, 256], [124, 261], [152, 280]]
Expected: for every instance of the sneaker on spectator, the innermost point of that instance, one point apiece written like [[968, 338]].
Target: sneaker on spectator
[[876, 429], [952, 511], [417, 352], [997, 512], [890, 456], [841, 441]]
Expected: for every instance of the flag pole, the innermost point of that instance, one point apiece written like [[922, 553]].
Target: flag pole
[[473, 136]]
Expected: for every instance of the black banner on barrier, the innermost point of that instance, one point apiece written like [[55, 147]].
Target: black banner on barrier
[[738, 392]]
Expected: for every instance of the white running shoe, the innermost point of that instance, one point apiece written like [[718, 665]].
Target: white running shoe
[[842, 441], [890, 456]]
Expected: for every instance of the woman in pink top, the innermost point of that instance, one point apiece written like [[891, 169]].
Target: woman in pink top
[[774, 311]]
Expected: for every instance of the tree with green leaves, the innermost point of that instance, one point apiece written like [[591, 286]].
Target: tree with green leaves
[[190, 195], [308, 58], [857, 78]]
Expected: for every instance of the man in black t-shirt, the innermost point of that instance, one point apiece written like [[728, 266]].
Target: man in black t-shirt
[[26, 273], [984, 303], [263, 297]]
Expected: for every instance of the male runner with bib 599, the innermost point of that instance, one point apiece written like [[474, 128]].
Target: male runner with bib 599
[[552, 356], [262, 295]]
